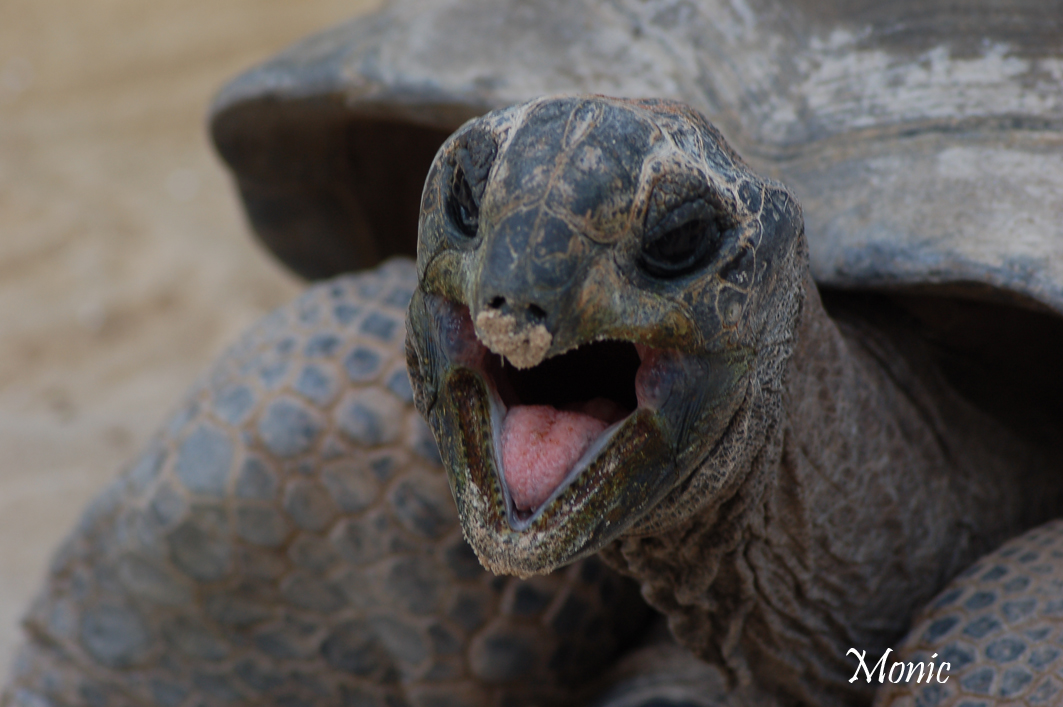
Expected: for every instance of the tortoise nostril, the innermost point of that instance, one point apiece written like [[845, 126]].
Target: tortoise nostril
[[530, 313]]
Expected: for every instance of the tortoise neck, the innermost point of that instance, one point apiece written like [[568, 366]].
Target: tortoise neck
[[854, 505]]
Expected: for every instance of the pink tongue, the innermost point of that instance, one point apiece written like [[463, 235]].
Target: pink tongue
[[541, 444]]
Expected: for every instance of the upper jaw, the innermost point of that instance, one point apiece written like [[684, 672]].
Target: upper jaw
[[466, 393]]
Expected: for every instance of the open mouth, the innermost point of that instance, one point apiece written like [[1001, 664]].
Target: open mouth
[[550, 422], [549, 463], [555, 418]]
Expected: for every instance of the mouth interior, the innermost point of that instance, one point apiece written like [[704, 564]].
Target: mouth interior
[[556, 411]]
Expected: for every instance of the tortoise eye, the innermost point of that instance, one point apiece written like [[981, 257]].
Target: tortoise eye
[[674, 250], [462, 207]]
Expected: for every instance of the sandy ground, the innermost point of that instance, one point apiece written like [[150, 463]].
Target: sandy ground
[[125, 264]]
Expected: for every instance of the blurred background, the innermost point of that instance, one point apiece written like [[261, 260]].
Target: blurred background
[[125, 263]]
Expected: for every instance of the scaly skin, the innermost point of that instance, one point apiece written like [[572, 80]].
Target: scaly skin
[[289, 538], [999, 625]]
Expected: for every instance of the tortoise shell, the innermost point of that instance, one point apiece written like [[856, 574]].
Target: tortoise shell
[[923, 139]]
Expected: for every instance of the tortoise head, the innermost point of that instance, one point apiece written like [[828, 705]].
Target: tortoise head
[[603, 289]]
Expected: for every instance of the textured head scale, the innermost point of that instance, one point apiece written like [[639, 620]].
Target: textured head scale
[[558, 223]]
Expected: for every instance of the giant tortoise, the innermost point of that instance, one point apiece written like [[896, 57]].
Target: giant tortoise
[[829, 463]]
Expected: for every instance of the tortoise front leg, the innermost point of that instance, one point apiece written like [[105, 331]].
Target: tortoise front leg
[[289, 538], [994, 635]]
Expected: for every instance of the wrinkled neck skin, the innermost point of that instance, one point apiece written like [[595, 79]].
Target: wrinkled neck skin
[[859, 483]]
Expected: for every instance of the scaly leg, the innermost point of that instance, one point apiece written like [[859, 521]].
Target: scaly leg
[[999, 626]]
